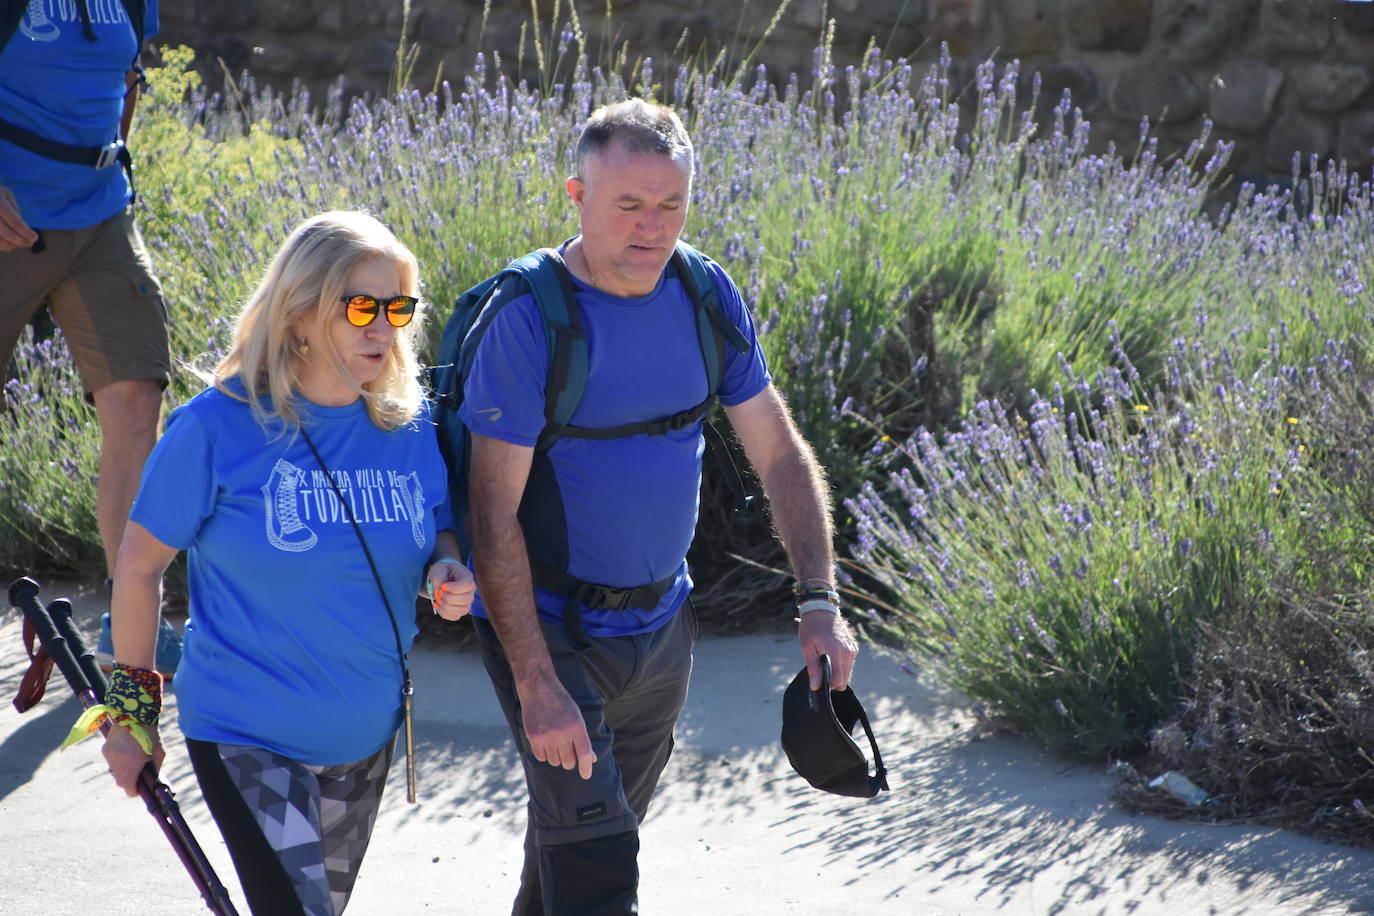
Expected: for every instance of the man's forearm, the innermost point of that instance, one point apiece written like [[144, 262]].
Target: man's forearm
[[503, 575], [799, 499]]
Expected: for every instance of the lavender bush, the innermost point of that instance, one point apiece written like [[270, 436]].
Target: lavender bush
[[1274, 720], [49, 466], [1057, 564]]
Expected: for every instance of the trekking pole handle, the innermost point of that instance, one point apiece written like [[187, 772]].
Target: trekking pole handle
[[60, 610], [23, 594], [156, 795]]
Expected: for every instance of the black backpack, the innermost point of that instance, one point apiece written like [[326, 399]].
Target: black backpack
[[551, 285]]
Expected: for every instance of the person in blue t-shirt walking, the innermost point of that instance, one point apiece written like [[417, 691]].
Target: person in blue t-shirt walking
[[307, 488], [67, 234], [583, 612]]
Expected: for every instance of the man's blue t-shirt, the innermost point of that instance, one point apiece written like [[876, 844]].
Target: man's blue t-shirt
[[629, 505], [289, 647], [57, 84]]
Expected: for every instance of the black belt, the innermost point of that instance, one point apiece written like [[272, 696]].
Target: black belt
[[100, 157]]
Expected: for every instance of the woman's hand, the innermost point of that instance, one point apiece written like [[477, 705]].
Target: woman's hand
[[451, 588], [126, 758]]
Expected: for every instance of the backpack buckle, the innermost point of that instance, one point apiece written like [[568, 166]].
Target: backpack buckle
[[682, 420], [605, 598], [677, 421]]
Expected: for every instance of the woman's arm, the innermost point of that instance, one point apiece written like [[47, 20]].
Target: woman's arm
[[134, 611]]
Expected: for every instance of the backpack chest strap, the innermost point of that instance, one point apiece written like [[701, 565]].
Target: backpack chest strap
[[659, 427]]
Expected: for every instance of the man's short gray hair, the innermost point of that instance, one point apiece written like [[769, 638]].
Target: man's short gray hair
[[639, 127]]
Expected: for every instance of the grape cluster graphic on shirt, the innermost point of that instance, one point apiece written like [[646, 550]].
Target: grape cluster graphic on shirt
[[297, 501]]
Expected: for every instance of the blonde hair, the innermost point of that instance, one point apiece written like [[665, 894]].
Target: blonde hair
[[303, 287]]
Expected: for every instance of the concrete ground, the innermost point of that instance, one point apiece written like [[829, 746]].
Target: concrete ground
[[974, 824]]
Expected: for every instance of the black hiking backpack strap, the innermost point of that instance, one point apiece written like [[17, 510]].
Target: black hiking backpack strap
[[714, 331], [11, 12], [99, 157]]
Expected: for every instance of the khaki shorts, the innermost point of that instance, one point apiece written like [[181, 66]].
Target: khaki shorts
[[98, 284]]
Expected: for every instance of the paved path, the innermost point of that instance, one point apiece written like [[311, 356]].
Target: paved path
[[974, 824]]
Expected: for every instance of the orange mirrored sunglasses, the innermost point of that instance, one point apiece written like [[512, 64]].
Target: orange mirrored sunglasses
[[362, 310]]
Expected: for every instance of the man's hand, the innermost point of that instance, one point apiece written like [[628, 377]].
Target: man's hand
[[823, 633], [554, 726], [126, 759], [14, 232]]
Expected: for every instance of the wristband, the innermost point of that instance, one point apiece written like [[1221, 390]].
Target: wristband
[[819, 604], [133, 699], [446, 560]]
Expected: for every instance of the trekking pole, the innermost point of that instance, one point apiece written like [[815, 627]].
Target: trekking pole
[[59, 636]]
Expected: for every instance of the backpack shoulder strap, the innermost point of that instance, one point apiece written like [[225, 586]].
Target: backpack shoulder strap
[[552, 286], [138, 18], [11, 11], [714, 327]]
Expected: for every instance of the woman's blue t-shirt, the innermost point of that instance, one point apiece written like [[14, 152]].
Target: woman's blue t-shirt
[[289, 647]]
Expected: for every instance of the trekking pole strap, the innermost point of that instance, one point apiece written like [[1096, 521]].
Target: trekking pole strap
[[35, 680]]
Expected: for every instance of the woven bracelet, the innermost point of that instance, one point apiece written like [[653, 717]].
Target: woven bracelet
[[812, 584]]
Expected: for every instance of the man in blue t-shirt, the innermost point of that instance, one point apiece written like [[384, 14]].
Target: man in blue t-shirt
[[67, 236], [584, 618]]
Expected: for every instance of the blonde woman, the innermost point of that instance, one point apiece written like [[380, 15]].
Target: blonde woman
[[306, 486]]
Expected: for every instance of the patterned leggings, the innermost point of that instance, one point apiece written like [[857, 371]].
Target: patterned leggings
[[296, 833]]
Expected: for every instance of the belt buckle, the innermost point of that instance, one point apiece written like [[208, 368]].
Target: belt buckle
[[109, 154], [607, 598]]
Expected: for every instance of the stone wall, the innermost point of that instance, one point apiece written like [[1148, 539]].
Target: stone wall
[[1275, 76]]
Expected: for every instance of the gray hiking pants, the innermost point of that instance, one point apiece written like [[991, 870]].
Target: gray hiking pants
[[582, 837]]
